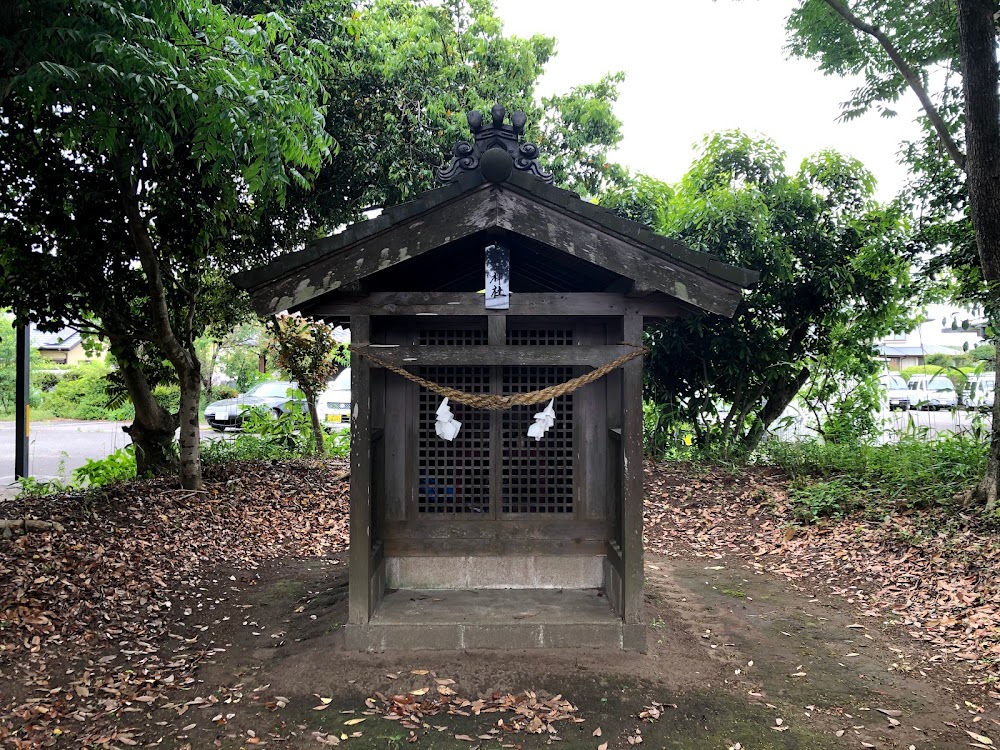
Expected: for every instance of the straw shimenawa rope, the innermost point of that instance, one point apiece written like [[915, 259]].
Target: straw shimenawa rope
[[496, 402]]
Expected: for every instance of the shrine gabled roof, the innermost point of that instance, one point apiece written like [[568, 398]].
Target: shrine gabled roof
[[519, 203]]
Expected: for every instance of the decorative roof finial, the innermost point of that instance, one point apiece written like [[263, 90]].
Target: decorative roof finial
[[506, 152]]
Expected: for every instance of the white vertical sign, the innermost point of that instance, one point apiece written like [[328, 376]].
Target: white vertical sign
[[497, 277]]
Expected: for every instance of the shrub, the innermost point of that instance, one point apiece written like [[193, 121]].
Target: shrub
[[119, 466], [220, 392], [169, 397], [984, 353], [45, 380], [957, 375], [82, 394]]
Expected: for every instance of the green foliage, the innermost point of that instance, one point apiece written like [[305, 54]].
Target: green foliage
[[44, 381], [237, 352], [957, 375], [843, 393], [221, 392], [958, 359], [82, 393], [31, 487], [812, 501], [238, 119], [168, 396], [307, 352], [264, 436], [832, 279], [832, 479], [925, 35], [119, 466], [577, 130], [8, 366], [662, 434], [338, 445], [125, 114], [984, 353]]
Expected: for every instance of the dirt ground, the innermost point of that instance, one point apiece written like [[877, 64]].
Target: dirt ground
[[736, 659], [739, 659]]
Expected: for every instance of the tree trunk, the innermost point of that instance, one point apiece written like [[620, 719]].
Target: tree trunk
[[180, 352], [977, 54], [317, 427], [778, 400], [152, 430], [190, 417]]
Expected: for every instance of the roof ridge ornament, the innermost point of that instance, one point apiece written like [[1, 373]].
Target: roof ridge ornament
[[496, 149]]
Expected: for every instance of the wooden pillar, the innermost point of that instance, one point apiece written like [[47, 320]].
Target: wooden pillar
[[359, 594], [632, 476], [497, 337]]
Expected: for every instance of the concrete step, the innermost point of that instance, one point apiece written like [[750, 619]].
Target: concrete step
[[493, 619]]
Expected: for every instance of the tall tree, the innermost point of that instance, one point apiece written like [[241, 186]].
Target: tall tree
[[197, 159], [833, 276], [924, 46], [190, 119]]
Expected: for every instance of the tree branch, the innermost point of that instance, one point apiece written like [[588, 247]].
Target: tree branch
[[909, 75]]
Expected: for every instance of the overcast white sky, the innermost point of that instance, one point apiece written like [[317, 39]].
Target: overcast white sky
[[697, 66]]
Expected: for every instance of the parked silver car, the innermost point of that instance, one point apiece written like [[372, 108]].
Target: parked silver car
[[280, 396]]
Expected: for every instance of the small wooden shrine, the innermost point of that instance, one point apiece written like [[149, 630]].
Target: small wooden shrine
[[496, 519]]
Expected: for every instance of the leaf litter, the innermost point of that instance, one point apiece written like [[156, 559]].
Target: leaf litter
[[96, 616], [111, 593], [526, 712], [932, 572]]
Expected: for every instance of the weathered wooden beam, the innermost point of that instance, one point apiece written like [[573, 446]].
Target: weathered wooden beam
[[501, 356], [489, 546], [469, 526], [596, 245], [359, 575], [471, 303], [462, 217], [631, 445]]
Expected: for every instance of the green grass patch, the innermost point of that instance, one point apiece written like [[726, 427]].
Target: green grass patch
[[830, 480]]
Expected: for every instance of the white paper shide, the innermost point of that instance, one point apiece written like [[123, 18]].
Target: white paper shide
[[445, 426], [543, 421]]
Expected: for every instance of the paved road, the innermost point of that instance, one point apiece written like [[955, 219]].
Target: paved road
[[58, 446]]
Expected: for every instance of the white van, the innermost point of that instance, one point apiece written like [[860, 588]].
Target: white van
[[931, 392], [894, 391], [979, 393], [334, 405]]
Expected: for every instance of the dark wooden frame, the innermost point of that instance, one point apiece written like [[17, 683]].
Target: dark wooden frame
[[607, 514]]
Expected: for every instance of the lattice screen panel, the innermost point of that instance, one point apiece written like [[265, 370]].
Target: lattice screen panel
[[453, 477], [452, 337], [537, 475], [539, 337]]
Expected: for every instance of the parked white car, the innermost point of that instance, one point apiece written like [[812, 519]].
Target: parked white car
[[932, 392], [979, 394], [895, 391], [334, 405]]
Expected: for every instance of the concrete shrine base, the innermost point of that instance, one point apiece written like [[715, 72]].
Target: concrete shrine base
[[497, 619]]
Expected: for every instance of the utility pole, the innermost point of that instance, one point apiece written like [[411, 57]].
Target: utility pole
[[22, 395]]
